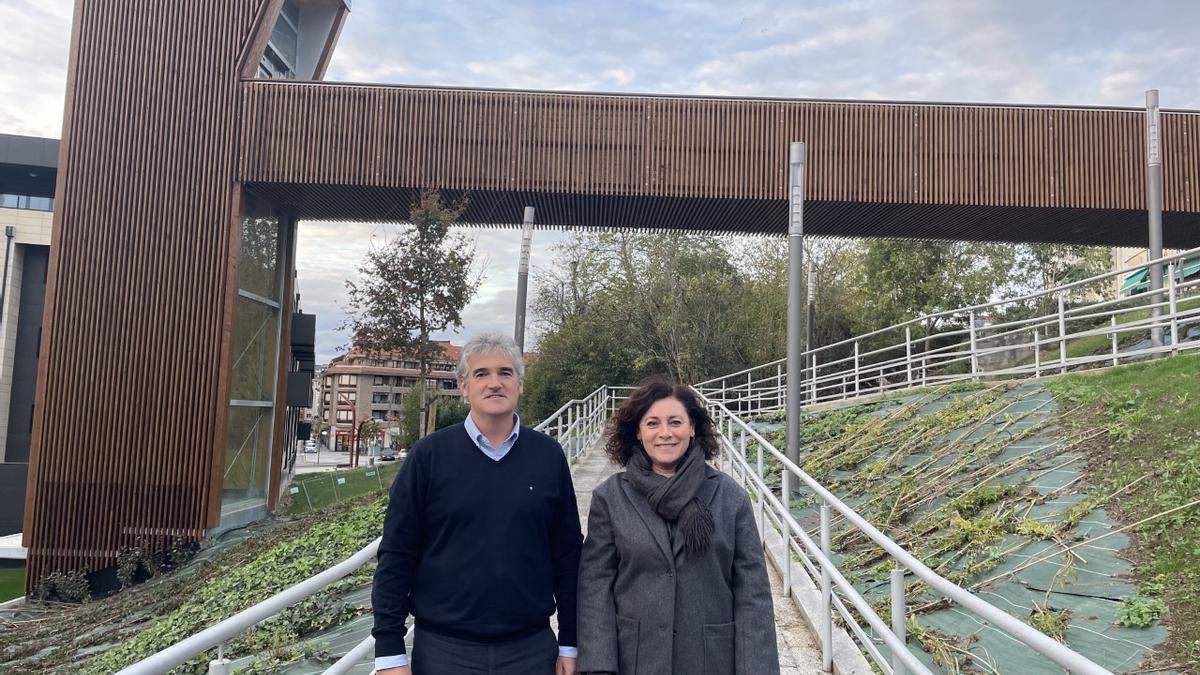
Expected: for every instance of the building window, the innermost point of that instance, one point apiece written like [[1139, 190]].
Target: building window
[[381, 380], [279, 60], [12, 201], [411, 365], [379, 398], [348, 380], [345, 415], [256, 327]]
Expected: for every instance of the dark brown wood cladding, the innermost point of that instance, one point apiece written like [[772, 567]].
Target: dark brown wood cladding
[[612, 150], [128, 399]]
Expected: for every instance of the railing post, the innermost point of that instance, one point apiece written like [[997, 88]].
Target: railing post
[[762, 499], [589, 416], [814, 378], [974, 350], [220, 665], [749, 391], [924, 370], [1113, 338], [1174, 309], [1062, 334], [908, 355], [781, 393], [786, 530], [1037, 353], [857, 373], [898, 615], [723, 430], [826, 592]]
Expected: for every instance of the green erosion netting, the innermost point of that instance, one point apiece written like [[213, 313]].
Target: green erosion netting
[[976, 485]]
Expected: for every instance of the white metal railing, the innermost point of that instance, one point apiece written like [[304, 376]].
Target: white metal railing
[[817, 561], [1007, 338], [576, 425]]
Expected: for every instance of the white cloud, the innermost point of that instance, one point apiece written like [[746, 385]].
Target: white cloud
[[34, 44], [619, 76]]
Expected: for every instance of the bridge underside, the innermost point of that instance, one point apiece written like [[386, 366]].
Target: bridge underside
[[1109, 227]]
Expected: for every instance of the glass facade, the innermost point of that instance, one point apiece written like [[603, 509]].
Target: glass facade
[[279, 60], [11, 201], [256, 332]]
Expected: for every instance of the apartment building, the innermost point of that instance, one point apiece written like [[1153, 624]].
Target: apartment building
[[357, 387]]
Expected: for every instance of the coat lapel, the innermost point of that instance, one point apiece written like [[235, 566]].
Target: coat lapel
[[656, 525], [706, 492]]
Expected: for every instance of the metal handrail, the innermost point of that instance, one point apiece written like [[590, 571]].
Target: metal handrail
[[1057, 290], [180, 652], [820, 559], [854, 371], [585, 422]]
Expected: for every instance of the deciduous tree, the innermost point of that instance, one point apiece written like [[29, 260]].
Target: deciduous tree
[[414, 285]]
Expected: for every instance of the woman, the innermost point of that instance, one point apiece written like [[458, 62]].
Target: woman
[[672, 579]]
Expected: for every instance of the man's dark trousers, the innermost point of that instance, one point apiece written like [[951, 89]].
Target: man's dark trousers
[[435, 654]]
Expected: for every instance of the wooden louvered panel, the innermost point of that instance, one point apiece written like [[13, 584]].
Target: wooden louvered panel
[[707, 148], [130, 412]]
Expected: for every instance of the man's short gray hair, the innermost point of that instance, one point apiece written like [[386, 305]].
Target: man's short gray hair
[[491, 343]]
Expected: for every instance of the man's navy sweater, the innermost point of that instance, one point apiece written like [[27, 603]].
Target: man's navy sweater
[[477, 548]]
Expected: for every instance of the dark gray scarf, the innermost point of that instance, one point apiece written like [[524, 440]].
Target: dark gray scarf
[[674, 498]]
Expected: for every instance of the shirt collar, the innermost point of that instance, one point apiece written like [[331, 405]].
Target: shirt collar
[[477, 435]]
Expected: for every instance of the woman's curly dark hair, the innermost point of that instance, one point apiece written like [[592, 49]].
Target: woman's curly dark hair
[[622, 439]]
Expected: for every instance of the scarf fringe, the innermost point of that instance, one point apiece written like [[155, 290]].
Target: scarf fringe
[[696, 525]]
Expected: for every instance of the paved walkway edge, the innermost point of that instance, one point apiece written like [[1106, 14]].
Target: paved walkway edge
[[848, 659]]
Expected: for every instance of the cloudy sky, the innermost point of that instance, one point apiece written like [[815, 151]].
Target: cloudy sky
[[1087, 52]]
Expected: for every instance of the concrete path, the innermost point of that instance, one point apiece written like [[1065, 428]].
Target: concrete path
[[799, 651]]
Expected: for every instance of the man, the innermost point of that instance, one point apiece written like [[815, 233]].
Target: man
[[481, 540]]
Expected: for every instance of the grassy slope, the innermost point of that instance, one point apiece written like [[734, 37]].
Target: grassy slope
[[1133, 421], [12, 583], [1152, 414], [148, 617]]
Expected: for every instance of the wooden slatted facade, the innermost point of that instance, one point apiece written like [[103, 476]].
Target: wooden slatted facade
[[163, 130], [986, 172], [130, 411]]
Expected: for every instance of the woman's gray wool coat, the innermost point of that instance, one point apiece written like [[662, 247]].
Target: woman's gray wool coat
[[646, 607]]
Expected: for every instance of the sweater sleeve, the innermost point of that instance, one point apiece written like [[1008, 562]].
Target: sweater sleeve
[[565, 546], [399, 553], [755, 648]]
